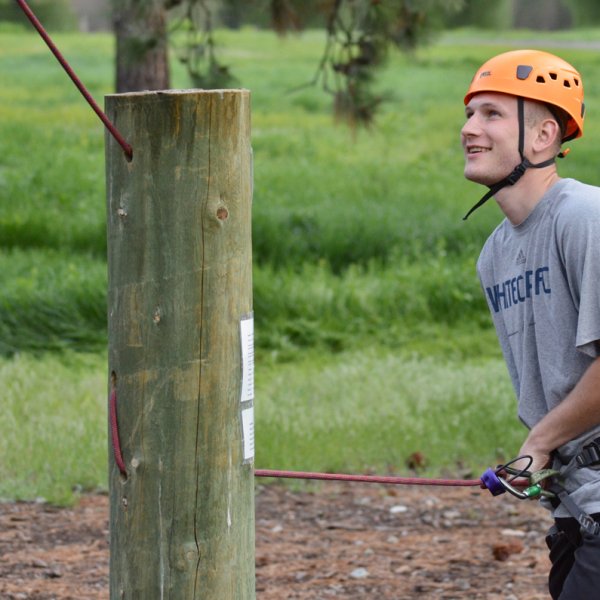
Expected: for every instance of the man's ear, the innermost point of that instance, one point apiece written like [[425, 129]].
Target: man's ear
[[548, 135]]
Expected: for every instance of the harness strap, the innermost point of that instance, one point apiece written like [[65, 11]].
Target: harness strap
[[588, 456], [587, 524]]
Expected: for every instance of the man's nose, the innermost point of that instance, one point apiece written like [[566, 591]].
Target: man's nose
[[471, 127]]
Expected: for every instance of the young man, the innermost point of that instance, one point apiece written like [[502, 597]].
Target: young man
[[540, 273]]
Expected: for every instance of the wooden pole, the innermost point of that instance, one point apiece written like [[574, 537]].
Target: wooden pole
[[180, 292]]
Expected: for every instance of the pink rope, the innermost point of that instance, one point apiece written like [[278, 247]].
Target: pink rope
[[65, 65], [368, 478], [114, 430]]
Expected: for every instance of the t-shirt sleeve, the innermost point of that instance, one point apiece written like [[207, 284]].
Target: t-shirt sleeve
[[581, 258]]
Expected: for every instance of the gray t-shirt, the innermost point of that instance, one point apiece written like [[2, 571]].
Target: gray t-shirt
[[541, 280]]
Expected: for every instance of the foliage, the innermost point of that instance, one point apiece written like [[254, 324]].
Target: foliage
[[585, 13], [56, 15], [198, 50], [483, 15], [534, 14], [359, 35]]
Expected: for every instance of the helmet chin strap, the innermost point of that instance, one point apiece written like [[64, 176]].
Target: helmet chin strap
[[519, 170]]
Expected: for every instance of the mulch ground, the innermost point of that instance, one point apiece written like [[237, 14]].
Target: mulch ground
[[351, 541]]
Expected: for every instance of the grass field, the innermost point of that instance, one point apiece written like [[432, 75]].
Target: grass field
[[373, 339]]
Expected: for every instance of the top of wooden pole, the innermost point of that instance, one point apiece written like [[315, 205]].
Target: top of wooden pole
[[175, 92]]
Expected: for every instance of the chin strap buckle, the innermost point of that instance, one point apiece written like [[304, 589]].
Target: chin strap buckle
[[518, 172]]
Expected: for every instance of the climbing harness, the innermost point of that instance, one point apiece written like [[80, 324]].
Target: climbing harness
[[588, 457]]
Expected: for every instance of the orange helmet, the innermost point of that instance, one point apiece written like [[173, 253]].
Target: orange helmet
[[535, 75]]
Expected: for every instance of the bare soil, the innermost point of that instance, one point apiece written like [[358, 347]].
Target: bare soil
[[351, 541]]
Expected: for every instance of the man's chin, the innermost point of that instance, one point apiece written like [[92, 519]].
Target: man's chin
[[478, 178]]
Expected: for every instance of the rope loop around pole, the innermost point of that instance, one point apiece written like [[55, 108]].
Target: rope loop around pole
[[114, 431]]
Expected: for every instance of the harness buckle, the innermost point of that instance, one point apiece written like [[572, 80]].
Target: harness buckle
[[590, 455], [589, 525]]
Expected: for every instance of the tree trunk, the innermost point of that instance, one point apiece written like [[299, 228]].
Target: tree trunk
[[142, 45]]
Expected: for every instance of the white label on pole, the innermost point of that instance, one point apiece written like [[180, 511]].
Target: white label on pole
[[248, 433], [247, 337]]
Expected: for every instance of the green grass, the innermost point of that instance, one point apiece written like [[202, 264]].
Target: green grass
[[388, 305], [359, 411], [54, 426], [373, 339], [51, 300], [373, 410]]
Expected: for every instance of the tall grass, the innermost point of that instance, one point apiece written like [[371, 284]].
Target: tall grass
[[387, 305], [375, 410], [54, 426], [51, 145], [373, 339], [51, 300]]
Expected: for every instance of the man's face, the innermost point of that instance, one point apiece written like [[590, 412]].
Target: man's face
[[490, 137]]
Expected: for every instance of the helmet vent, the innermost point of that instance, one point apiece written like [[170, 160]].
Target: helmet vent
[[576, 81], [540, 79], [523, 71], [567, 83], [553, 76]]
